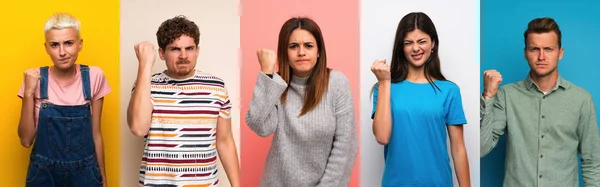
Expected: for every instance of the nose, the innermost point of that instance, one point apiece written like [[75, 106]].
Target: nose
[[301, 51], [542, 55], [183, 54], [415, 47], [61, 51]]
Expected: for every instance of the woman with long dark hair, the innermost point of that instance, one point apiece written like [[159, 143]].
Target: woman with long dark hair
[[415, 108]]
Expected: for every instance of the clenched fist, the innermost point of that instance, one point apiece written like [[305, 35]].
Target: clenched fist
[[381, 70], [145, 53], [31, 78], [267, 59], [491, 80]]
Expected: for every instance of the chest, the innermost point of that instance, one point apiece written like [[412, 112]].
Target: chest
[[317, 124], [533, 114]]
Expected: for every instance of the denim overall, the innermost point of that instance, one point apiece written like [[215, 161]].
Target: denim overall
[[63, 153]]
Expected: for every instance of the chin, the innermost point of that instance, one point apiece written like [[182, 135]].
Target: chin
[[417, 64]]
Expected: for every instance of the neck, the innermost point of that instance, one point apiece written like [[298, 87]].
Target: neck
[[64, 74], [416, 74], [301, 75], [546, 82]]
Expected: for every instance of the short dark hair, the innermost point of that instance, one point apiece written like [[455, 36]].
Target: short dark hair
[[173, 28], [543, 25]]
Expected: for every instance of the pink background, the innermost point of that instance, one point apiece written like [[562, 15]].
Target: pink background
[[260, 24]]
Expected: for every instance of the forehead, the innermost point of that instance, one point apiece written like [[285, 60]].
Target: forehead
[[416, 35], [61, 34], [182, 41], [301, 35], [542, 39]]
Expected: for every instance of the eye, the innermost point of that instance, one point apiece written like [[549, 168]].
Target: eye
[[69, 43], [293, 46], [548, 49], [190, 48], [53, 44], [175, 49], [308, 45]]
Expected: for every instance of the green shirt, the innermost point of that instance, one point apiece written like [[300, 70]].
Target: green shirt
[[545, 133]]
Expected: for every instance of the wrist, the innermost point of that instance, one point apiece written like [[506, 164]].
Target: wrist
[[267, 70], [486, 96], [384, 82]]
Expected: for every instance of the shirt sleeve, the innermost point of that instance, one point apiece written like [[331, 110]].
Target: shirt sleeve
[[455, 114], [100, 87], [225, 110]]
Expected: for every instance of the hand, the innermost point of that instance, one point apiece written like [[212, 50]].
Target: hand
[[145, 54], [31, 81], [491, 80], [381, 71], [267, 60]]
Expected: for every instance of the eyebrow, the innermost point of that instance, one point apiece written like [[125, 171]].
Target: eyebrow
[[62, 41], [421, 39], [173, 47]]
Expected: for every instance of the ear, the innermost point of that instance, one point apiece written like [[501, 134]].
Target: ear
[[560, 55], [161, 53], [80, 44]]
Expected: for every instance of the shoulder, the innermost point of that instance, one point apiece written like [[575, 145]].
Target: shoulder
[[207, 78], [337, 78], [452, 87], [577, 91], [339, 86], [95, 71]]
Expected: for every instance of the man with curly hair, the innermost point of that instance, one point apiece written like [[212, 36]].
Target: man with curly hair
[[183, 113]]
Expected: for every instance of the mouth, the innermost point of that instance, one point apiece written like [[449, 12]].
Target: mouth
[[64, 60], [182, 63], [418, 56], [302, 60], [541, 65]]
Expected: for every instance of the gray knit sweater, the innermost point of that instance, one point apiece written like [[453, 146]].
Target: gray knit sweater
[[316, 149]]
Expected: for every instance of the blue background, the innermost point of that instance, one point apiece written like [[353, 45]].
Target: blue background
[[502, 44]]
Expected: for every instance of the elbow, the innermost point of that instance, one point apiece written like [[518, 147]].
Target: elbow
[[261, 132], [137, 130], [459, 151], [382, 140], [26, 143], [258, 127]]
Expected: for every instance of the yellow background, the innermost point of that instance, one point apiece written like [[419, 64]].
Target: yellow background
[[22, 36]]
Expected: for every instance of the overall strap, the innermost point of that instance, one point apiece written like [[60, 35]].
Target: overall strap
[[85, 78], [44, 83]]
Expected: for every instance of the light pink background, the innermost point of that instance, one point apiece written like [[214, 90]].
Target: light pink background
[[260, 24]]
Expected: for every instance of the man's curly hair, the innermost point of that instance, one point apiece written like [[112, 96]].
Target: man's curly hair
[[173, 28]]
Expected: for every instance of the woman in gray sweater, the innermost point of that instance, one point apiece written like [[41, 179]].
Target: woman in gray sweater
[[307, 107]]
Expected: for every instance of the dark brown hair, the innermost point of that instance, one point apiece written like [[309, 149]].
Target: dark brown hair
[[399, 65], [173, 28], [543, 25], [318, 79]]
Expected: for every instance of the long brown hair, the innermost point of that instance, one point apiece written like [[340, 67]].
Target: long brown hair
[[318, 80]]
